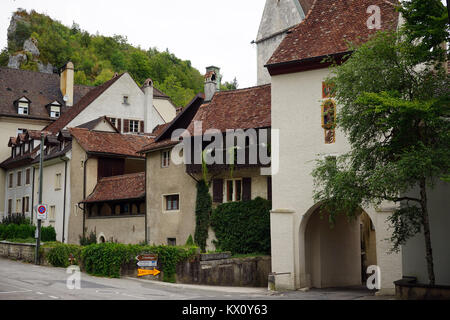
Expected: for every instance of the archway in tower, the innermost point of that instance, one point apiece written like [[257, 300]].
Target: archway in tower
[[338, 255]]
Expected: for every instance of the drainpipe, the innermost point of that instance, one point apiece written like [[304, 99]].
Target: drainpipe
[[32, 195], [145, 186], [64, 206], [84, 194]]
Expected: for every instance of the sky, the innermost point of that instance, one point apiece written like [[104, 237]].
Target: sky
[[206, 32]]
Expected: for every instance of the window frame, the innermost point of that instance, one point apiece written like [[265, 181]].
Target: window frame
[[164, 158], [235, 197], [166, 202], [132, 125]]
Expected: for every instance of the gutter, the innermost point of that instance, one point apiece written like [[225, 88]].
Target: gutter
[[84, 194], [65, 195]]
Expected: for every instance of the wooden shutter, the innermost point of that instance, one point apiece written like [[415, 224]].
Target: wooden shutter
[[246, 189], [119, 125], [126, 125], [218, 190], [269, 188], [27, 176], [141, 125]]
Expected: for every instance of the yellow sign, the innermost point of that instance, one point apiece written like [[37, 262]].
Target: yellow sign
[[143, 272]]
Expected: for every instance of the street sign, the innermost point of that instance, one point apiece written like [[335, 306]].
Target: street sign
[[41, 211], [146, 263], [143, 272], [147, 257]]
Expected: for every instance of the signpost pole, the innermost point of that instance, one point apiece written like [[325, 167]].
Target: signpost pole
[[41, 161]]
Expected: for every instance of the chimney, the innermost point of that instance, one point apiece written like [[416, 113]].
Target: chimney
[[148, 106], [66, 83], [212, 82]]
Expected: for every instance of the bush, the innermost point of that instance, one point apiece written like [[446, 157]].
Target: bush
[[90, 239], [14, 231], [58, 256], [15, 219], [243, 227], [48, 234], [106, 259]]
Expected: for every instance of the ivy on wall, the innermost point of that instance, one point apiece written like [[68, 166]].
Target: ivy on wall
[[243, 227], [203, 208]]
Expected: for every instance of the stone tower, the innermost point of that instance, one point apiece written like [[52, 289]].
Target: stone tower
[[278, 17]]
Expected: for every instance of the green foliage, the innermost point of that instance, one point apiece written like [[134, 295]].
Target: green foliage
[[97, 57], [190, 241], [426, 25], [203, 208], [87, 240], [4, 57], [229, 85], [16, 231], [59, 255], [48, 234], [16, 219], [106, 259], [243, 227]]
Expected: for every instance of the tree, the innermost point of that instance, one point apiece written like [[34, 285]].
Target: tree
[[426, 24], [395, 116]]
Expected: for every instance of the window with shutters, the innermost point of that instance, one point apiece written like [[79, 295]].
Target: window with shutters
[[11, 180], [134, 126], [233, 190]]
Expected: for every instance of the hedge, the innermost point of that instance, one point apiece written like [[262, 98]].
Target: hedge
[[243, 227], [59, 254], [106, 259], [24, 231]]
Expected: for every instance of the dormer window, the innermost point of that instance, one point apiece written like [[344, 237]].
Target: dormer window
[[54, 109], [23, 106]]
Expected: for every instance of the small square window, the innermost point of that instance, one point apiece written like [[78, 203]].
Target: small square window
[[125, 100], [171, 242], [172, 202]]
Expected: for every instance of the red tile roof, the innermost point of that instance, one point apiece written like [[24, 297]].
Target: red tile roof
[[126, 187], [72, 112], [329, 27], [110, 142], [236, 109]]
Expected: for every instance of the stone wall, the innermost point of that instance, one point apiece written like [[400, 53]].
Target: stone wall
[[224, 271], [22, 251]]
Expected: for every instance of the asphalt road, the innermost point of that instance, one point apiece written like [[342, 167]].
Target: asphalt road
[[23, 281]]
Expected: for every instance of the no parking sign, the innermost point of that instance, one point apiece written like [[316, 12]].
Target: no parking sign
[[41, 211]]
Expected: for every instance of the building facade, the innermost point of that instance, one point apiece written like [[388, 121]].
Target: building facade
[[306, 251]]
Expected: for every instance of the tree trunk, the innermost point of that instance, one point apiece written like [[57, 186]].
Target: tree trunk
[[426, 231]]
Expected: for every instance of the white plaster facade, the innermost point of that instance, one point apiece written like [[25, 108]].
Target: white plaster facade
[[56, 193], [111, 104], [296, 112], [9, 128]]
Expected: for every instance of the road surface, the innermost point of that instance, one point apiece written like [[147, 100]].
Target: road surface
[[24, 281]]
